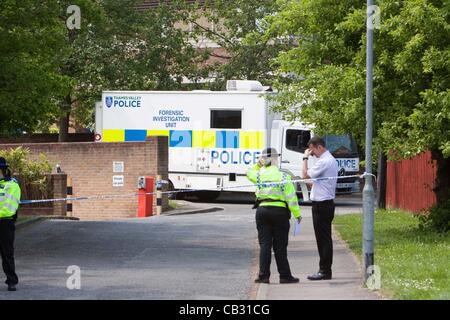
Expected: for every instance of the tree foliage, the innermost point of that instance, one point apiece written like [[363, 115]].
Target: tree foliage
[[238, 27], [49, 72], [122, 48], [411, 73], [411, 76], [31, 45]]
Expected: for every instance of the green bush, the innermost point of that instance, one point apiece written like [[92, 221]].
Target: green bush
[[438, 217], [30, 172]]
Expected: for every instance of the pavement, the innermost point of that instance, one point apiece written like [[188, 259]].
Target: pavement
[[346, 283]]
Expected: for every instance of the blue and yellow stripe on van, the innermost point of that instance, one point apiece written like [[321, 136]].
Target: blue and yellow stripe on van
[[192, 138]]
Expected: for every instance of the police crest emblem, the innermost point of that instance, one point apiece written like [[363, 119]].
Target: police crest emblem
[[109, 101]]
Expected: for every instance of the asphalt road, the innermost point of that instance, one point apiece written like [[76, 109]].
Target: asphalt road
[[199, 256]]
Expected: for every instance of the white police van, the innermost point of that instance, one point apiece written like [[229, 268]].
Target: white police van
[[214, 136]]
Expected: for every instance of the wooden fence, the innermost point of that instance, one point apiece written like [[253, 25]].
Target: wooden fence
[[410, 182]]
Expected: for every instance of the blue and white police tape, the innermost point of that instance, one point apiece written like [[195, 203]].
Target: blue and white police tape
[[160, 182]]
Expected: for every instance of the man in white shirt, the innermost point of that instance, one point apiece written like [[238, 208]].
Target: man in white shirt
[[322, 196]]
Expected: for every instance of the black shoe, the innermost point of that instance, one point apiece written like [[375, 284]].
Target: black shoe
[[320, 276], [289, 280], [262, 280], [12, 287]]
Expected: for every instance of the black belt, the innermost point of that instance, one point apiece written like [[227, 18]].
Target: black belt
[[324, 201], [259, 201]]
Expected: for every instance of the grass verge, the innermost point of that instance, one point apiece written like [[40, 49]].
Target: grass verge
[[173, 204], [414, 262]]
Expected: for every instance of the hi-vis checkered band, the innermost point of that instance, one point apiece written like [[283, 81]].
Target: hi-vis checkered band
[[192, 138]]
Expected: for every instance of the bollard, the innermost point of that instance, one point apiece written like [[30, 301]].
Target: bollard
[[158, 195], [69, 204], [145, 201]]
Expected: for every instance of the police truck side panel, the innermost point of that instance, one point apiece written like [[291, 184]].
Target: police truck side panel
[[214, 136]]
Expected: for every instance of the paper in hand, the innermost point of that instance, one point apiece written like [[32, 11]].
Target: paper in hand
[[296, 227]]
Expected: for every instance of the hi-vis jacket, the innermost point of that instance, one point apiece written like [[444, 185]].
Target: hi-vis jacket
[[281, 192], [9, 198]]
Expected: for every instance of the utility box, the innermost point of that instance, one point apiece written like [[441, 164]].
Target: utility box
[[146, 187]]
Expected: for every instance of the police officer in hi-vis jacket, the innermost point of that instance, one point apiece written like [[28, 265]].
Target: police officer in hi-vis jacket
[[9, 203], [274, 203]]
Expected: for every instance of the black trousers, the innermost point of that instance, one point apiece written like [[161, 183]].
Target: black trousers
[[273, 231], [7, 232], [323, 214]]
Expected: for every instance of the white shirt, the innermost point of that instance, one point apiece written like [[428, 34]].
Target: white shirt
[[326, 166]]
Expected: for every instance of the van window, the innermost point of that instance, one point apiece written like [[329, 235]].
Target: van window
[[297, 140], [226, 119], [340, 145]]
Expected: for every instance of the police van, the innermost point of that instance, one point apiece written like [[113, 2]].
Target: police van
[[215, 136]]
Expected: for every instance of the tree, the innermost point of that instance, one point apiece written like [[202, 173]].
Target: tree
[[238, 27], [31, 44], [120, 48], [50, 73], [411, 82], [70, 66]]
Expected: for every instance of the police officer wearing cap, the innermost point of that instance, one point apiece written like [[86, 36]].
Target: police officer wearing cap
[[274, 202], [9, 203]]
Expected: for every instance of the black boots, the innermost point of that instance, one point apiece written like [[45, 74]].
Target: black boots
[[282, 280], [289, 280], [262, 280], [12, 287], [320, 276]]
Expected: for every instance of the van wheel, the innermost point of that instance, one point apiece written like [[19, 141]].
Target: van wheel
[[172, 196]]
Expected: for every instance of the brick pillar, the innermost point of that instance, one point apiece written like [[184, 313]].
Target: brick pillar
[[59, 188]]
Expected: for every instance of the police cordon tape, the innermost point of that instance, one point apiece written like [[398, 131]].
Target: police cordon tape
[[264, 184]]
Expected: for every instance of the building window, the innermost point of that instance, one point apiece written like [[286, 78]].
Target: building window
[[226, 119]]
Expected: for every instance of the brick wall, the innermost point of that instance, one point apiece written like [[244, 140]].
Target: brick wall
[[90, 166]]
